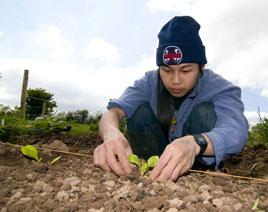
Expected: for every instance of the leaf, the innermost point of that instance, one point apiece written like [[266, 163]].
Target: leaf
[[153, 160], [31, 152], [132, 158], [144, 168], [255, 204], [53, 161]]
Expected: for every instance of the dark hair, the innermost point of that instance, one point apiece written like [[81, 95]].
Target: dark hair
[[164, 103]]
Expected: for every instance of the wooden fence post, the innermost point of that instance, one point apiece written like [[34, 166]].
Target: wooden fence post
[[24, 93], [44, 108]]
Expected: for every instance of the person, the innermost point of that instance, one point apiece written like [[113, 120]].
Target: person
[[182, 112]]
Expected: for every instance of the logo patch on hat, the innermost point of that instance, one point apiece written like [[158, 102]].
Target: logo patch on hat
[[172, 55]]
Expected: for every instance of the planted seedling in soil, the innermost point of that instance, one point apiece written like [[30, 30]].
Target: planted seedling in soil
[[56, 159], [255, 206], [144, 166], [31, 152]]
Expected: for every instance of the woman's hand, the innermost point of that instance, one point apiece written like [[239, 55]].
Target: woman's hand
[[177, 158], [112, 154], [106, 154]]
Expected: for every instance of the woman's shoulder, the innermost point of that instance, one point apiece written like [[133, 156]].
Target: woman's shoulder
[[210, 78], [150, 77], [152, 74]]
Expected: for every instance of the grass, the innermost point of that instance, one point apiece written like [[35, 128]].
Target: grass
[[78, 129], [14, 126]]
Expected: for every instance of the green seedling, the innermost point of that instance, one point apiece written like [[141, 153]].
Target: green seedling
[[31, 152], [255, 206], [144, 166], [53, 161]]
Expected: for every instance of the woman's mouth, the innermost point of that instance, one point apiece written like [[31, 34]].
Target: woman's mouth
[[176, 90]]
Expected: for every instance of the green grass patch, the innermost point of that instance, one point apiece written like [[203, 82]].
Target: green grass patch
[[81, 129]]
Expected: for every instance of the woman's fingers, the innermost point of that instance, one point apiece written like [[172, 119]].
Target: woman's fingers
[[100, 158], [177, 159], [112, 155], [160, 165]]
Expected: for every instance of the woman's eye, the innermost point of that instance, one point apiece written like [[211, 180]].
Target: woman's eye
[[186, 71]]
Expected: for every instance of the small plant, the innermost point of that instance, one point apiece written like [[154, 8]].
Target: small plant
[[56, 159], [255, 206], [144, 166], [31, 152]]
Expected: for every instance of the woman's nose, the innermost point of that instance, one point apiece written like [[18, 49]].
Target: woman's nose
[[176, 78]]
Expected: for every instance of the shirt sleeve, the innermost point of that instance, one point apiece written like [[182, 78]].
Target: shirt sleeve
[[132, 97], [231, 131]]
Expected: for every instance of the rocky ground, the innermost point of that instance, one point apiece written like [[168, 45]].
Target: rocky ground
[[74, 184]]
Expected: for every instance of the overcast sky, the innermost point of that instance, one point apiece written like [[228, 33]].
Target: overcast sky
[[86, 52]]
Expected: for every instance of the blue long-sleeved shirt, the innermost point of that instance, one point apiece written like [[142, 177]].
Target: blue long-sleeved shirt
[[229, 135]]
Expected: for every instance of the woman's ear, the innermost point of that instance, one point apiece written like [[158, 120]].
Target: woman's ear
[[201, 70]]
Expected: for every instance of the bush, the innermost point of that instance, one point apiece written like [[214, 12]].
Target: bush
[[259, 133], [8, 132], [13, 126]]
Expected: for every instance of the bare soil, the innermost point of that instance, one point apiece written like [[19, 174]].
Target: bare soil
[[74, 184]]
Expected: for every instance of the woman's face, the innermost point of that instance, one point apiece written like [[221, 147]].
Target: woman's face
[[179, 79]]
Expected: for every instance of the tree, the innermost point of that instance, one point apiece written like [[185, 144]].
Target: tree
[[34, 102], [80, 116], [0, 75]]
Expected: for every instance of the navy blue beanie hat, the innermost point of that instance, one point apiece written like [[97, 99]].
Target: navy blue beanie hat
[[179, 42]]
